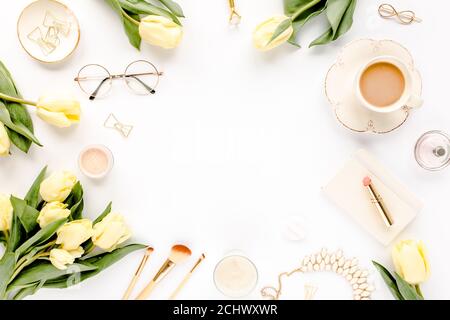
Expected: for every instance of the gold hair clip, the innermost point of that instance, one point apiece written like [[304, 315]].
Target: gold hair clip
[[235, 18], [113, 123], [47, 43], [387, 11], [310, 291], [52, 27], [62, 27]]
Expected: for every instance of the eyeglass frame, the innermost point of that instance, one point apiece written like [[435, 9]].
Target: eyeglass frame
[[123, 76]]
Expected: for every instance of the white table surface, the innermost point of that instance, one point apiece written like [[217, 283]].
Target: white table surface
[[233, 142]]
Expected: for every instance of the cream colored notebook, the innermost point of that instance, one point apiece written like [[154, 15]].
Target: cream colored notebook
[[347, 191]]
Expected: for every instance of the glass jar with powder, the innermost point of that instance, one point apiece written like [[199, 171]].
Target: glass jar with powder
[[95, 161], [235, 276]]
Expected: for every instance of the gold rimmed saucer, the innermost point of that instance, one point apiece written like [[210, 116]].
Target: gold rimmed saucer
[[340, 91], [48, 31]]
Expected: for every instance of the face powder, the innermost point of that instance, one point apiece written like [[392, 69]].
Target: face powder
[[235, 276], [95, 161]]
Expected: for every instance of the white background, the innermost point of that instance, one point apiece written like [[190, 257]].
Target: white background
[[233, 142]]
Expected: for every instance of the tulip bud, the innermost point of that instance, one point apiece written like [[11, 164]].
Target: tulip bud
[[58, 186], [51, 212], [5, 144], [58, 111], [60, 258], [72, 234], [410, 261], [264, 32], [6, 212], [110, 232], [160, 31]]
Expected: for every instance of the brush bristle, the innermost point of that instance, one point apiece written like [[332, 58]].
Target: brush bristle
[[367, 181], [149, 250], [179, 253]]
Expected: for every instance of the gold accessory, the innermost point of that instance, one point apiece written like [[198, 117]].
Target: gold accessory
[[235, 18], [329, 262], [310, 291], [187, 277], [137, 274], [46, 43], [113, 123], [178, 254], [62, 26], [387, 11], [53, 21]]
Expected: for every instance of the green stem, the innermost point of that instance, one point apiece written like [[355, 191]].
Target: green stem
[[89, 250], [304, 8], [418, 290], [127, 16], [6, 233], [24, 258], [27, 263], [15, 99]]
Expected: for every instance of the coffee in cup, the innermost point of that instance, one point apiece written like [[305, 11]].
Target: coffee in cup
[[385, 85]]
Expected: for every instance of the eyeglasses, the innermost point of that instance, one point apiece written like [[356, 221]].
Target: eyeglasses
[[405, 17], [141, 77]]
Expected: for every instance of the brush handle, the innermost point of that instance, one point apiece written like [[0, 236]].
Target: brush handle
[[130, 288], [180, 286], [146, 291]]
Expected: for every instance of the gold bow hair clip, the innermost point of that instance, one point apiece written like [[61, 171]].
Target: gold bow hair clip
[[113, 123], [387, 11]]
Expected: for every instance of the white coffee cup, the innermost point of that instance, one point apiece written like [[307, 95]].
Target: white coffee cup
[[407, 99]]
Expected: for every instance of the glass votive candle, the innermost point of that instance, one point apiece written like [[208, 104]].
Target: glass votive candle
[[432, 150], [235, 276]]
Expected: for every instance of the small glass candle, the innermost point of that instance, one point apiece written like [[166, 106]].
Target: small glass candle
[[235, 276], [95, 161], [432, 150]]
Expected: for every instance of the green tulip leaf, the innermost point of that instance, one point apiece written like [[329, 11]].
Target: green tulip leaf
[[75, 202], [18, 132], [131, 29], [27, 291], [40, 237], [45, 271], [389, 280], [104, 213], [282, 27], [26, 214], [16, 119], [303, 17], [101, 261], [16, 234], [340, 18], [7, 265], [32, 197], [173, 7], [143, 7], [408, 291]]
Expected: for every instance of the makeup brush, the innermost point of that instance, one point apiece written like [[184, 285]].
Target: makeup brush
[[137, 274], [378, 202], [178, 254], [187, 277]]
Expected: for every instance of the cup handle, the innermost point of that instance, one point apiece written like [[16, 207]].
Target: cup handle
[[414, 102]]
